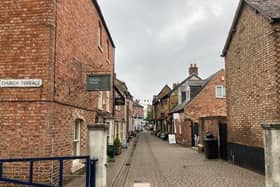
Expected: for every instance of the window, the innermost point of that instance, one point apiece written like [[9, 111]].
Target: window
[[187, 95], [180, 129], [174, 123], [100, 101], [99, 34], [220, 91], [77, 138], [108, 51], [108, 101], [183, 95]]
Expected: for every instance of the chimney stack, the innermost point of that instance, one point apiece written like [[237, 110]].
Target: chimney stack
[[174, 85], [193, 70]]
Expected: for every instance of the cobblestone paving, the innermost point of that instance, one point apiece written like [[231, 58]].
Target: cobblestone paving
[[164, 165]]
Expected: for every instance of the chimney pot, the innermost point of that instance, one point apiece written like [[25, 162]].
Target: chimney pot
[[193, 70]]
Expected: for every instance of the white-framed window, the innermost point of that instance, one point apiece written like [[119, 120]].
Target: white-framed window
[[174, 123], [108, 101], [108, 51], [77, 137], [100, 100], [99, 34], [180, 129], [220, 91]]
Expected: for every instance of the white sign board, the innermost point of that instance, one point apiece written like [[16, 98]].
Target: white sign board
[[176, 116], [171, 139], [20, 83]]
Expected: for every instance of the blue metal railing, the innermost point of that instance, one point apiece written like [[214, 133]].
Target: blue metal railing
[[89, 166]]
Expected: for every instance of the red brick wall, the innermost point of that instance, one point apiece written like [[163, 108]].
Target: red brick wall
[[185, 138], [252, 78], [206, 103], [31, 124], [23, 129], [120, 113], [138, 111], [78, 53], [27, 31]]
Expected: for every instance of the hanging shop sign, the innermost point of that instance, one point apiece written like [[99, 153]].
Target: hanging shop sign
[[99, 82], [20, 83]]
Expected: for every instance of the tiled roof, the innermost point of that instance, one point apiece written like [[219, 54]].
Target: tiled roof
[[201, 83], [270, 9], [179, 107], [121, 86]]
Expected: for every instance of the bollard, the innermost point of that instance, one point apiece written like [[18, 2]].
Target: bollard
[[98, 150], [272, 154]]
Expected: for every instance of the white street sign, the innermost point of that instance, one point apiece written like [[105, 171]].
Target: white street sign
[[20, 83]]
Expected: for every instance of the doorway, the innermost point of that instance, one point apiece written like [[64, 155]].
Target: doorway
[[195, 134], [223, 140]]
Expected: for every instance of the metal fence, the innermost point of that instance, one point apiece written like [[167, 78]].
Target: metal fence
[[89, 170]]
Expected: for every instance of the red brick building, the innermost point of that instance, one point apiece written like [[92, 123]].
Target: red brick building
[[123, 111], [206, 112], [59, 43], [252, 62], [138, 115]]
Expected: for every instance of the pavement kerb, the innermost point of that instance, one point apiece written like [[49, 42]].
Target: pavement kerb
[[123, 160]]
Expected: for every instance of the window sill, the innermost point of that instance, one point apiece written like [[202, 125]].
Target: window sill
[[220, 97]]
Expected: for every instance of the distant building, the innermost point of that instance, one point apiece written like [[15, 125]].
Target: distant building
[[121, 123], [138, 116], [252, 62], [145, 103], [184, 92], [204, 113], [161, 109]]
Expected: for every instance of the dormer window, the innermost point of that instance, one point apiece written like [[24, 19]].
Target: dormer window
[[184, 96]]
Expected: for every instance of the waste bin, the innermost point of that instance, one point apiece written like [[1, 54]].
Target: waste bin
[[211, 146], [110, 151]]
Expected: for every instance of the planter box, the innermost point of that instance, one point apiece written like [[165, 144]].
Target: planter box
[[118, 149]]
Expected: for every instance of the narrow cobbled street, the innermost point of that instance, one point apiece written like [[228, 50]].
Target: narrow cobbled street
[[159, 164]]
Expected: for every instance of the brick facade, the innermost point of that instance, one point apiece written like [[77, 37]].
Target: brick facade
[[252, 74], [204, 104], [251, 79], [161, 109], [58, 43]]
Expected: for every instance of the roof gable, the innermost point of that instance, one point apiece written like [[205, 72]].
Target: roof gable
[[164, 91], [203, 84], [270, 9], [192, 77]]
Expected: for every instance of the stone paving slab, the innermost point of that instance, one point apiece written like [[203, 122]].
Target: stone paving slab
[[113, 168], [163, 165]]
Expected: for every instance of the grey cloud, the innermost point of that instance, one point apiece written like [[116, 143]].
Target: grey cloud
[[156, 40]]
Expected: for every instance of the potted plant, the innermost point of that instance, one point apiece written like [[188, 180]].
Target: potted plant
[[117, 146]]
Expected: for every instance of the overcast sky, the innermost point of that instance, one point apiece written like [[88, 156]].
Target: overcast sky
[[157, 40]]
